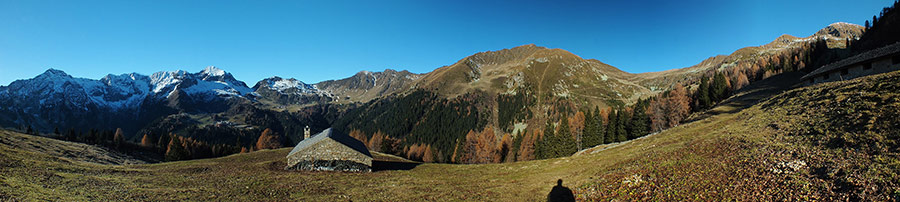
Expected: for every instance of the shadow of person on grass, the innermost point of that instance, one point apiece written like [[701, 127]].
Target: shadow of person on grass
[[560, 193]]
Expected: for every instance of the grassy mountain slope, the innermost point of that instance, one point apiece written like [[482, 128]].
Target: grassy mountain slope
[[834, 35], [833, 141], [366, 85], [540, 71], [52, 170]]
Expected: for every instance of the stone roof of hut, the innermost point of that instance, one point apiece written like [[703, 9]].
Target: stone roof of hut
[[336, 136], [862, 57]]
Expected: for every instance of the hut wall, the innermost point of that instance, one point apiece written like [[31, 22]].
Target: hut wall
[[329, 155]]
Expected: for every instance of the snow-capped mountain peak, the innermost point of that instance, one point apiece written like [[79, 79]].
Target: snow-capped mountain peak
[[54, 73], [212, 71], [123, 91], [209, 81]]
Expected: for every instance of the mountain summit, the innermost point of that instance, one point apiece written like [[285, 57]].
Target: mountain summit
[[538, 69], [841, 30], [56, 99]]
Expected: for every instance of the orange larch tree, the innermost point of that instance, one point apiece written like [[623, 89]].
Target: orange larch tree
[[268, 140]]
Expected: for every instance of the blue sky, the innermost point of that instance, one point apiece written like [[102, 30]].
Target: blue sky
[[320, 40]]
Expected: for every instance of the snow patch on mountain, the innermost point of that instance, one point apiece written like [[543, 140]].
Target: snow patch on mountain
[[119, 91], [218, 88], [162, 81], [284, 85]]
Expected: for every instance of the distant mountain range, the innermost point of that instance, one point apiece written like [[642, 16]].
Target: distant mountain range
[[140, 103]]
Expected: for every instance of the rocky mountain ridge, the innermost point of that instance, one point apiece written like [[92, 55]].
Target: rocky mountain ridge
[[54, 98]]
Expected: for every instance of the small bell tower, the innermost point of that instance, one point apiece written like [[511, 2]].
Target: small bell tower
[[306, 133]]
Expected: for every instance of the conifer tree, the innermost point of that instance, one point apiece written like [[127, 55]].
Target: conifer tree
[[592, 135], [164, 142], [566, 143], [176, 150], [874, 21], [601, 127], [542, 148], [588, 128], [93, 136], [719, 88], [70, 135], [703, 97], [621, 120], [516, 144], [640, 121], [611, 135]]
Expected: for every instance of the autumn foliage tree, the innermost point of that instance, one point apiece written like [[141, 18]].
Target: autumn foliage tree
[[657, 110], [481, 147], [740, 81], [526, 147], [146, 141], [376, 143], [678, 105], [268, 140], [415, 151], [670, 109], [361, 136], [576, 126], [119, 138]]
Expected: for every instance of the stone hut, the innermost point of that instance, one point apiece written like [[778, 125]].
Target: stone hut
[[330, 150], [880, 60]]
